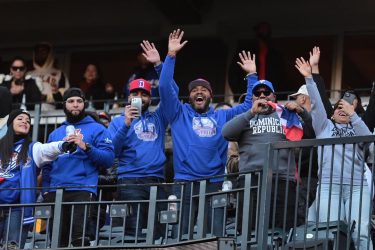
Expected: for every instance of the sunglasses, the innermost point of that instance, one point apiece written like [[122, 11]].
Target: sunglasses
[[15, 68], [259, 93]]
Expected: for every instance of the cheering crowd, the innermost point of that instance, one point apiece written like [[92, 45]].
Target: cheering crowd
[[89, 149]]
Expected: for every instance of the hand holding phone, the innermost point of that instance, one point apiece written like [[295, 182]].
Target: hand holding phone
[[137, 103], [349, 97]]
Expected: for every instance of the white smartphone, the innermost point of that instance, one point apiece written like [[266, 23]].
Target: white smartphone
[[137, 102]]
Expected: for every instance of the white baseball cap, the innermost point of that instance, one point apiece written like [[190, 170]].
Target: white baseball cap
[[302, 90]]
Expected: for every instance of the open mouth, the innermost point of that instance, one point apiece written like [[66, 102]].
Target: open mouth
[[199, 100]]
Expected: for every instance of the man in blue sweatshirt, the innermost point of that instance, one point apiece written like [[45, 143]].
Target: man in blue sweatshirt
[[79, 170], [199, 149], [138, 139]]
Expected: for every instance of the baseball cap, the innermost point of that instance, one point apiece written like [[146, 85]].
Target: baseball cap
[[73, 92], [302, 90], [265, 83], [104, 115], [200, 82], [140, 84]]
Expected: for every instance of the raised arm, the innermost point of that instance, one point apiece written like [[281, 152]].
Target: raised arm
[[247, 63], [319, 116], [168, 96], [318, 79], [152, 56]]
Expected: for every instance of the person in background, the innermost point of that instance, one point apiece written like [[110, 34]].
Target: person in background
[[19, 159], [78, 171], [198, 147], [53, 81], [145, 70], [23, 87], [345, 180], [94, 87]]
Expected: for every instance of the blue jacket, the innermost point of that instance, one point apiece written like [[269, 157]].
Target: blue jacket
[[19, 182], [140, 148], [199, 149], [80, 168]]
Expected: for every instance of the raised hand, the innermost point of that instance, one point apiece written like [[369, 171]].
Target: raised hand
[[150, 52], [130, 114], [303, 67], [174, 43], [314, 59], [294, 106], [259, 106], [247, 62], [346, 107]]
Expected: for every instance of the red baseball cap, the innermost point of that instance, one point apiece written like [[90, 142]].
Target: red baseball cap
[[140, 84]]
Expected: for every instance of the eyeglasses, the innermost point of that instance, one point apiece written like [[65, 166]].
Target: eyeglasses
[[259, 93], [16, 68]]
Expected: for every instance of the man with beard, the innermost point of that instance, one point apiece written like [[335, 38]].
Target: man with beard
[[262, 124], [139, 144], [78, 171], [199, 149]]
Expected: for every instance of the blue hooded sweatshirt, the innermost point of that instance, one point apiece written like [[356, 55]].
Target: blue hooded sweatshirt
[[140, 147], [199, 149], [80, 168], [19, 180]]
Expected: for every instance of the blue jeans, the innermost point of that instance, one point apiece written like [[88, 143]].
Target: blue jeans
[[138, 192], [14, 218], [218, 213], [344, 202]]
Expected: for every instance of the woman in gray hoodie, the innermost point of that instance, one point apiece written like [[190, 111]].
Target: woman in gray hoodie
[[336, 198]]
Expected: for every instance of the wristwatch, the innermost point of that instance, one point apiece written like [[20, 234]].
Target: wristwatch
[[88, 148]]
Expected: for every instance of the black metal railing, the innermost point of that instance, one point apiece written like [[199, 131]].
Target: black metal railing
[[263, 210]]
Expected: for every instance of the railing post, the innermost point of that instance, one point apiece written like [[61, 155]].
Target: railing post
[[37, 112], [265, 199], [202, 218], [151, 215], [246, 212], [56, 227]]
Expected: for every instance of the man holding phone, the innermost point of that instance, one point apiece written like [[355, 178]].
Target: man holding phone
[[138, 138]]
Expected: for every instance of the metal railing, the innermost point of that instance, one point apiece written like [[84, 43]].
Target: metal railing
[[262, 211]]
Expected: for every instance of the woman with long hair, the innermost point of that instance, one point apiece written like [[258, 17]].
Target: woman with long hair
[[19, 159], [344, 178]]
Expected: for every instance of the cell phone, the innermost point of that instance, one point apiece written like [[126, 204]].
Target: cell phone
[[137, 103], [349, 97]]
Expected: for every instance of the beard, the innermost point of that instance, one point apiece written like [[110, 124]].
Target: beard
[[73, 118], [145, 107], [203, 109]]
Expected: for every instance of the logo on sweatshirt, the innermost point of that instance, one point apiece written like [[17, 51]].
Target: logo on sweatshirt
[[8, 172], [204, 127], [145, 131], [343, 132], [266, 125]]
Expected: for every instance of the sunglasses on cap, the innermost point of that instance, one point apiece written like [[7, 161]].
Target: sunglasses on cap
[[259, 93], [18, 68]]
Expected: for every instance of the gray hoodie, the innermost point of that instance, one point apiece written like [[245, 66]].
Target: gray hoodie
[[252, 132], [325, 128]]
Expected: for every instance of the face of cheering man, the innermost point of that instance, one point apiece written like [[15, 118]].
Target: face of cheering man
[[146, 98], [262, 92], [200, 99], [75, 105]]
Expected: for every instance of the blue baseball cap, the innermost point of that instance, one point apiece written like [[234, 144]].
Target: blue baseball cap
[[265, 83]]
